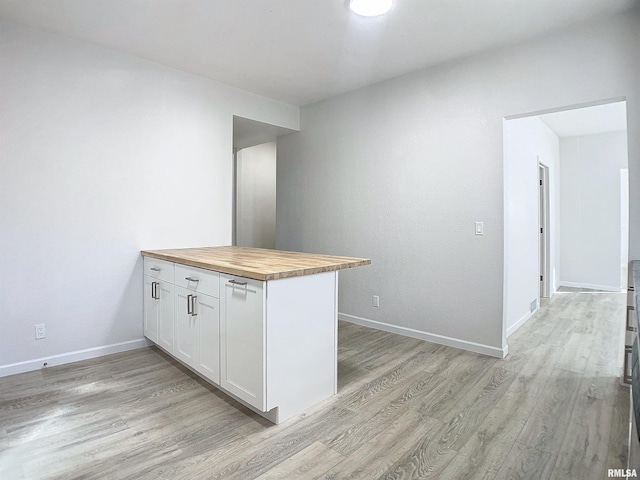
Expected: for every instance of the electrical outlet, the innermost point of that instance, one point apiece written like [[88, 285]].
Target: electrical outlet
[[376, 301], [41, 331]]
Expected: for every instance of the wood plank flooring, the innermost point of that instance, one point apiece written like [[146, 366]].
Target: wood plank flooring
[[406, 409]]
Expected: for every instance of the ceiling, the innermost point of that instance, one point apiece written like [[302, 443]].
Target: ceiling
[[610, 117], [301, 51]]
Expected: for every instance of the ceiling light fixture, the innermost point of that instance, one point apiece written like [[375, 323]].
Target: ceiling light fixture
[[370, 8]]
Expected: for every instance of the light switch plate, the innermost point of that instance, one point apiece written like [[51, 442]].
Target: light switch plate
[[479, 228]]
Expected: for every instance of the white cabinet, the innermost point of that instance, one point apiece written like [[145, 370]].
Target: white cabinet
[[182, 314], [242, 339], [208, 314], [158, 302], [158, 312], [186, 345], [166, 300], [278, 341], [271, 344], [151, 308], [198, 332], [198, 320]]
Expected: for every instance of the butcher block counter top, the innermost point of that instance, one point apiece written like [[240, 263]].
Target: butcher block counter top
[[256, 263]]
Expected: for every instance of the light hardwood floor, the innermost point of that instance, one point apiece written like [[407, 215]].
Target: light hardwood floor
[[553, 408]]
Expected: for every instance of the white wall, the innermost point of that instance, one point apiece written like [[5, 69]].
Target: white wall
[[256, 196], [102, 155], [591, 210], [527, 141], [400, 171]]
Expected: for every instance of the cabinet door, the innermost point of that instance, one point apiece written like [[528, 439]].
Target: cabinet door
[[165, 315], [207, 308], [151, 308], [242, 336], [186, 327]]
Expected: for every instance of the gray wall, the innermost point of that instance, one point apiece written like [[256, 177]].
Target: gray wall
[[590, 210], [400, 171], [102, 155]]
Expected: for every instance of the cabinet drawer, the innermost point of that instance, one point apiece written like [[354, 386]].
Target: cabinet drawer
[[198, 280], [158, 269]]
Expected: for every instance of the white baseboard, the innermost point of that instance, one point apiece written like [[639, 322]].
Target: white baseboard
[[35, 364], [592, 286], [429, 337], [519, 323]]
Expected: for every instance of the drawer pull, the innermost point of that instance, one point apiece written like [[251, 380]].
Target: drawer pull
[[235, 282], [191, 279], [155, 269]]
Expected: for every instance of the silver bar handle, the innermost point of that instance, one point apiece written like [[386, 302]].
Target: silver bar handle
[[155, 269], [627, 370], [235, 282], [193, 305], [191, 279], [188, 304], [154, 290]]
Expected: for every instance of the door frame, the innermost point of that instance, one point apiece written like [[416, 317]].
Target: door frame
[[544, 242]]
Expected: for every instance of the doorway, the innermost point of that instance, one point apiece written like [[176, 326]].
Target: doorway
[[571, 230], [256, 196], [254, 178]]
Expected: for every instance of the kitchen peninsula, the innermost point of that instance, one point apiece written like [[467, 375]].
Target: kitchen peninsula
[[259, 324]]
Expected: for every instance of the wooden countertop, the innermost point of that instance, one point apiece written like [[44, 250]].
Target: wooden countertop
[[256, 263]]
